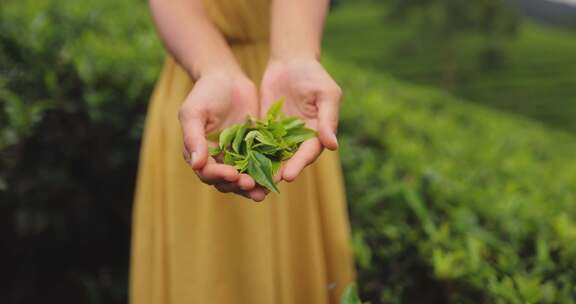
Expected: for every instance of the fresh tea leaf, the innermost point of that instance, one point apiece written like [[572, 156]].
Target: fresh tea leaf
[[300, 135], [239, 136], [292, 123], [266, 149], [236, 156], [241, 165], [285, 155], [275, 166], [260, 168], [266, 137], [227, 135], [228, 158], [266, 165], [249, 139], [275, 109], [214, 151], [258, 147], [277, 130]]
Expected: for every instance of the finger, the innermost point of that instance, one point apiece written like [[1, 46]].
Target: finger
[[228, 187], [213, 173], [328, 112], [245, 182], [194, 139], [258, 194], [231, 188], [306, 154]]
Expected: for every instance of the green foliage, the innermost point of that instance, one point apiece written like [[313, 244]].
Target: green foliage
[[75, 56], [454, 203], [440, 23], [536, 78], [74, 80], [446, 18], [350, 295], [258, 146]]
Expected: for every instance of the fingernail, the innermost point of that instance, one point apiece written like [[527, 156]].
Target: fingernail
[[335, 139], [192, 157]]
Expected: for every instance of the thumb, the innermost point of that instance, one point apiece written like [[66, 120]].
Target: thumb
[[195, 144], [328, 113]]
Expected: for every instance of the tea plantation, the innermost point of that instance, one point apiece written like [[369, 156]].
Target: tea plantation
[[454, 203], [533, 77], [450, 202]]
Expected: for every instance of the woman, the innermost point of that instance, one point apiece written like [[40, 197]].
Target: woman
[[193, 244]]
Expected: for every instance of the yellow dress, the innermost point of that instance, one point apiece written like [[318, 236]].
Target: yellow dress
[[193, 244]]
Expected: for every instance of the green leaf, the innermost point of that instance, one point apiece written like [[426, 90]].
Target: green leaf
[[297, 136], [266, 137], [214, 151], [236, 155], [350, 295], [249, 139], [261, 124], [228, 158], [258, 147], [266, 149], [285, 155], [275, 109], [241, 165], [239, 136], [292, 123], [260, 168], [275, 166], [277, 130], [227, 135]]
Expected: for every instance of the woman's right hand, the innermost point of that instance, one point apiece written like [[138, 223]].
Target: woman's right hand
[[218, 100]]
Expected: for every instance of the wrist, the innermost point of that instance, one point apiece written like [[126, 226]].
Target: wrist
[[287, 55], [218, 61], [292, 61], [222, 74], [302, 47]]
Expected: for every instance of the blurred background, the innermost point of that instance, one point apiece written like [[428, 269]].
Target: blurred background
[[457, 140]]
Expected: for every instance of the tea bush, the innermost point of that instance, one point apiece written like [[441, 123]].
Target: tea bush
[[74, 80], [449, 202], [454, 203]]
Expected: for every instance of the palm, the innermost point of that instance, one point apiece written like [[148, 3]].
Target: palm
[[286, 81], [223, 101], [215, 102], [311, 94]]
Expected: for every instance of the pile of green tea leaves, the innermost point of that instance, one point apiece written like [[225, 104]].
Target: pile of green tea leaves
[[258, 146]]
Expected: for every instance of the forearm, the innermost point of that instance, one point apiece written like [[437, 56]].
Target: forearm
[[296, 28], [191, 37]]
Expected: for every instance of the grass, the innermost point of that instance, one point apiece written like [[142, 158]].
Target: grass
[[538, 78]]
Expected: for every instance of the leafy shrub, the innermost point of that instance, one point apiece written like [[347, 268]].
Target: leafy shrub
[[453, 203], [74, 80]]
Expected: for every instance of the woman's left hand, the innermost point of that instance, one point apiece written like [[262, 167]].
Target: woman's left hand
[[311, 94]]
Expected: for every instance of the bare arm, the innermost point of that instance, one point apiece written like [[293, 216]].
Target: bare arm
[[294, 72], [222, 94], [191, 37], [297, 28]]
